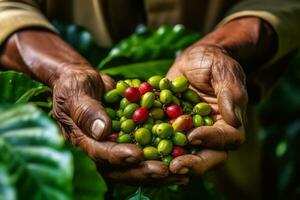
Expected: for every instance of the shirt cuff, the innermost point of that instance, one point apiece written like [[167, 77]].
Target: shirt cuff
[[15, 16]]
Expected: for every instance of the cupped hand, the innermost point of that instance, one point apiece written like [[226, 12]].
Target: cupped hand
[[83, 120], [220, 81]]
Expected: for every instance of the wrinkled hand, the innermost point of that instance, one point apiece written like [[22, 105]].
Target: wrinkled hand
[[219, 81]]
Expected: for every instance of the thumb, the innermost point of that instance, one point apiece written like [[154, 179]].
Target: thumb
[[90, 116]]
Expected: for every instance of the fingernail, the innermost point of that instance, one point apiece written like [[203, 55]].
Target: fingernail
[[97, 128], [183, 171], [131, 160]]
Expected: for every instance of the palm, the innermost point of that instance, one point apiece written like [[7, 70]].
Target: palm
[[219, 81]]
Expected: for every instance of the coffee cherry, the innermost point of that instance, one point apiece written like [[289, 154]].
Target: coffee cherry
[[202, 108], [183, 123], [179, 84], [157, 104], [122, 119], [197, 121], [177, 151], [165, 96], [136, 83], [179, 139], [175, 100], [121, 86], [155, 141], [129, 82], [154, 128], [208, 121], [123, 103], [148, 126], [112, 137], [167, 159], [127, 126], [164, 130], [165, 147], [112, 96], [187, 107], [147, 100], [111, 113], [164, 83], [145, 87], [154, 81], [132, 94], [143, 136], [140, 115], [115, 125], [157, 113], [119, 113], [125, 138], [191, 96], [150, 153], [129, 110], [173, 111]]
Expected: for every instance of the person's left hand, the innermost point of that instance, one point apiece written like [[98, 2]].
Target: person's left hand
[[220, 81]]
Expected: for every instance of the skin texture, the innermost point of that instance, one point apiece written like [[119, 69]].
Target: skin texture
[[211, 65], [213, 69]]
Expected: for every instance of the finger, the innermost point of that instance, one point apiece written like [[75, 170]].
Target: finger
[[197, 164], [148, 173], [109, 83], [219, 136], [90, 117], [232, 95], [110, 152]]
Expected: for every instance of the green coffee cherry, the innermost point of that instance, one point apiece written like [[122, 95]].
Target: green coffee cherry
[[180, 84], [202, 108], [156, 141], [157, 113], [129, 110], [148, 126], [179, 139], [208, 121], [165, 147], [164, 130], [157, 104], [121, 86], [191, 96], [119, 113], [150, 153], [154, 81], [164, 83], [123, 103], [136, 83], [165, 96], [197, 121], [129, 82], [115, 125], [112, 96], [143, 136], [154, 127], [175, 100], [122, 119], [147, 100], [167, 159], [127, 126], [125, 138], [111, 113]]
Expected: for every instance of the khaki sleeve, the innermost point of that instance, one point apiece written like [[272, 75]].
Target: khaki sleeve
[[18, 15], [282, 15]]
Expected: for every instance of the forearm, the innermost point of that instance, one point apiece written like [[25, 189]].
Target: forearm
[[249, 40], [41, 54]]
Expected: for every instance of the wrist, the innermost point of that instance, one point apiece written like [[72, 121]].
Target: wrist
[[249, 40]]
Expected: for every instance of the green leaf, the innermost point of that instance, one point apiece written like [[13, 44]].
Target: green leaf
[[7, 190], [31, 148], [138, 195], [142, 70], [87, 182], [18, 88]]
